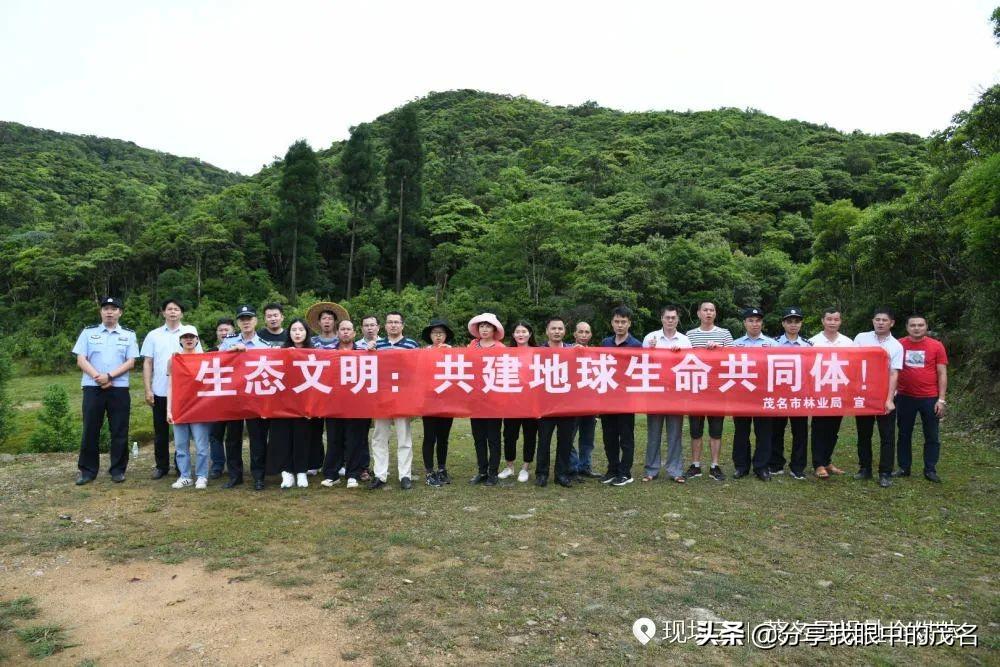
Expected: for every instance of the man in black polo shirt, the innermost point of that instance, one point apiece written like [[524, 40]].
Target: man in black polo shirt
[[618, 430]]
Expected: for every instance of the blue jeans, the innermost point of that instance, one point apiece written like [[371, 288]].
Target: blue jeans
[[183, 434], [585, 426], [907, 409]]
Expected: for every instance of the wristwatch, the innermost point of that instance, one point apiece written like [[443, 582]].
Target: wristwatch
[[942, 401]]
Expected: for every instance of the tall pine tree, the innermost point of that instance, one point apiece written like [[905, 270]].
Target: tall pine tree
[[298, 200], [403, 170], [358, 186]]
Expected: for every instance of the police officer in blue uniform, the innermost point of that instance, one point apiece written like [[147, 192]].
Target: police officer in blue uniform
[[753, 322], [245, 339], [105, 352], [791, 322]]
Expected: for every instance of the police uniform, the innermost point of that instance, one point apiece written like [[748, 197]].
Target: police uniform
[[800, 425], [106, 349], [761, 425], [256, 427]]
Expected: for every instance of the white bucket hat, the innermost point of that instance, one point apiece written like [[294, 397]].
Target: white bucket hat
[[488, 318]]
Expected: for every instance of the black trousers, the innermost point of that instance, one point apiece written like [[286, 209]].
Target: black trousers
[[800, 443], [886, 437], [486, 436], [257, 430], [563, 428], [217, 438], [436, 433], [824, 439], [346, 446], [741, 442], [619, 443], [114, 403], [511, 426], [289, 441], [161, 434]]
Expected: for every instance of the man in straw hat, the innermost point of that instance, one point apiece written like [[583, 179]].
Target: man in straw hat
[[323, 318]]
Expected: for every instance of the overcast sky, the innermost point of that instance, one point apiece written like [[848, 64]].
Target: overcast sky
[[234, 83]]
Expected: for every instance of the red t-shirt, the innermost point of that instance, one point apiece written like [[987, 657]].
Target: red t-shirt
[[920, 361]]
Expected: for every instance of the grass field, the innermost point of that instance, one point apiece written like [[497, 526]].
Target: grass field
[[526, 575]]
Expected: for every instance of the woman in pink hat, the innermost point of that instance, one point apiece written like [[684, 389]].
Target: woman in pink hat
[[487, 333]]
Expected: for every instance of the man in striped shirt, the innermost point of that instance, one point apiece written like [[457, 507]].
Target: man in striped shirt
[[394, 340], [707, 336]]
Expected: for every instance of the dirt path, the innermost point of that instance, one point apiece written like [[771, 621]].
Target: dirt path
[[152, 613]]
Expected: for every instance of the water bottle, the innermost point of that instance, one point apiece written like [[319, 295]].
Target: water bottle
[[135, 449]]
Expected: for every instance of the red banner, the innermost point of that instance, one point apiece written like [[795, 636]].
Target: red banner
[[528, 382]]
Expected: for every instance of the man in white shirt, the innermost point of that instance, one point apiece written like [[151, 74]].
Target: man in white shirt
[[157, 348], [881, 336], [826, 429], [668, 338]]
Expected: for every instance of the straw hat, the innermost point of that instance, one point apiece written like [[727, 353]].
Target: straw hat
[[312, 315]]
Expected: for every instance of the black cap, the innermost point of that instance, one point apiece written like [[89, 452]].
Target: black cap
[[246, 310], [112, 301], [752, 312], [794, 311]]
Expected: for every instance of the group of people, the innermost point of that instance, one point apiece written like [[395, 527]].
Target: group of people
[[294, 447]]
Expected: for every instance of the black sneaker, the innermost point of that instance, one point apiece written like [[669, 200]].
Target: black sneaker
[[443, 477], [622, 481], [885, 480], [608, 477], [376, 483], [863, 473], [693, 471], [431, 479], [491, 480], [902, 472], [796, 474], [932, 476], [542, 479], [779, 471], [715, 472], [478, 479], [405, 484]]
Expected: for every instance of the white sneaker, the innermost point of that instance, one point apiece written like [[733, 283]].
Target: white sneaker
[[342, 471], [302, 480], [201, 483], [312, 472], [522, 476], [181, 483], [330, 482], [352, 483], [287, 480], [505, 473]]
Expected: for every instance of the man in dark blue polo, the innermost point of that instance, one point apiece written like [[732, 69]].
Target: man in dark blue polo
[[618, 430]]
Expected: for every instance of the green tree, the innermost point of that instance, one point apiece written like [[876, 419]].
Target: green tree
[[403, 170], [6, 410], [55, 430], [358, 186], [298, 200]]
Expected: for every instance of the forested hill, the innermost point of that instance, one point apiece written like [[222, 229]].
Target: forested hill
[[523, 208]]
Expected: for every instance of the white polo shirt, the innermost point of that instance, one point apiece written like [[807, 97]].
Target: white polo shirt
[[159, 345], [820, 340], [659, 339]]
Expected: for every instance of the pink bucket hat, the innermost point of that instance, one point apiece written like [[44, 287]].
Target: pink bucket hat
[[488, 318]]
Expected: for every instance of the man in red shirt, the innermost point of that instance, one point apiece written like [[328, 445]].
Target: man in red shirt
[[923, 383]]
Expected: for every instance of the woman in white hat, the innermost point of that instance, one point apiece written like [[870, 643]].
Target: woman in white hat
[[184, 433], [487, 333]]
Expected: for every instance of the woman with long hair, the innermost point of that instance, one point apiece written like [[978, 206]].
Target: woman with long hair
[[524, 336], [291, 438]]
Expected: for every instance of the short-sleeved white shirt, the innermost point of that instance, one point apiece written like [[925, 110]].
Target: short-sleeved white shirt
[[159, 345], [820, 340], [659, 339], [890, 345]]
